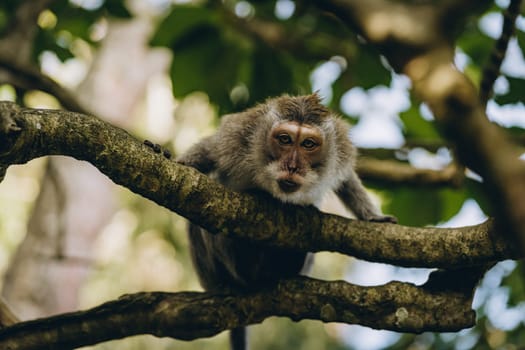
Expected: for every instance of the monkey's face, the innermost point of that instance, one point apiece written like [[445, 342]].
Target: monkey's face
[[295, 151]]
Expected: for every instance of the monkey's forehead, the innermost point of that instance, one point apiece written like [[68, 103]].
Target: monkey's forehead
[[322, 129], [296, 128], [301, 109]]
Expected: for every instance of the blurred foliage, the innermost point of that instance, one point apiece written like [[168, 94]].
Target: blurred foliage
[[217, 51], [75, 22], [237, 68]]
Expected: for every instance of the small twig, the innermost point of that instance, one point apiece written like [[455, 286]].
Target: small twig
[[493, 66], [29, 78]]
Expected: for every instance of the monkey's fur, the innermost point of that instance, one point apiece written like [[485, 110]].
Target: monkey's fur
[[257, 150]]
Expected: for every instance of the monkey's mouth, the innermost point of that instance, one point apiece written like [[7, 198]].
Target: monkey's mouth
[[288, 186]]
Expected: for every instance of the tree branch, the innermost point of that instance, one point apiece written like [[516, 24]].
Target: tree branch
[[302, 43], [417, 39], [492, 68], [259, 217], [397, 306], [17, 44], [29, 78], [394, 172]]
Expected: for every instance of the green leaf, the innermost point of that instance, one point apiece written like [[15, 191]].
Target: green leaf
[[208, 58], [475, 44], [368, 70], [117, 8], [516, 131], [344, 83], [271, 75], [300, 83], [78, 26], [74, 20], [514, 281], [520, 36], [452, 201], [515, 93], [45, 40], [181, 21], [203, 61], [9, 6], [476, 190], [415, 127], [415, 206]]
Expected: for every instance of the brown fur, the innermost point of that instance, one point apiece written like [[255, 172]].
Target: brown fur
[[246, 154]]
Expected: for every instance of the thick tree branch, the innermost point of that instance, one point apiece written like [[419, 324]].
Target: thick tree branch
[[200, 199], [397, 306], [417, 39]]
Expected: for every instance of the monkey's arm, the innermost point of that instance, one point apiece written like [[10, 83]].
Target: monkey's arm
[[354, 196], [199, 156]]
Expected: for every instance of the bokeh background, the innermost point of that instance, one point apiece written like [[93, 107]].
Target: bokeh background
[[166, 71]]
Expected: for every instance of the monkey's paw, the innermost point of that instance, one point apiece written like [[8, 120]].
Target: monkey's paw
[[158, 149], [383, 218]]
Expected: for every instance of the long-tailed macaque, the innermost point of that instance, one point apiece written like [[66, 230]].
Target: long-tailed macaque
[[296, 150]]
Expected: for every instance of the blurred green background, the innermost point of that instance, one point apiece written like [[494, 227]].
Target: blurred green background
[[166, 71]]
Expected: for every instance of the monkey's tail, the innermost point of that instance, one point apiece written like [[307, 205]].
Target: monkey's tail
[[238, 338]]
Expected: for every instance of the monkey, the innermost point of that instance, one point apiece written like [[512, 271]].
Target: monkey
[[296, 150]]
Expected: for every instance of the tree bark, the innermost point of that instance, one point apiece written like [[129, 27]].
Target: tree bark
[[262, 218], [397, 306]]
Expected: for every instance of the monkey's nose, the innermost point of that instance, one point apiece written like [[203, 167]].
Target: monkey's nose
[[288, 186]]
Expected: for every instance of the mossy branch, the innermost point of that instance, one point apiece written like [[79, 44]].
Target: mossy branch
[[128, 162], [402, 307]]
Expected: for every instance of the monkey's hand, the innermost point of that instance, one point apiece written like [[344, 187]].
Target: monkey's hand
[[383, 218], [158, 149]]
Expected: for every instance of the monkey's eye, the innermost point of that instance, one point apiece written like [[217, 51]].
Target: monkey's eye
[[284, 139], [309, 144]]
